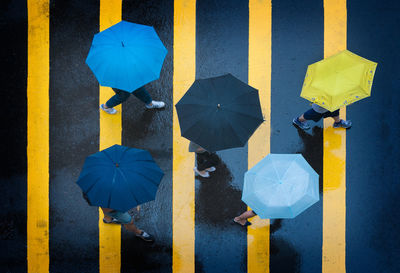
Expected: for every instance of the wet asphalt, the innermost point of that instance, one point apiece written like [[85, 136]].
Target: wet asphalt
[[373, 155]]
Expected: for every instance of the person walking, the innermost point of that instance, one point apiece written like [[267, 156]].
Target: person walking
[[121, 96], [124, 218], [205, 161], [316, 113]]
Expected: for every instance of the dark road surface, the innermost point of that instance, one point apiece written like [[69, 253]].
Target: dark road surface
[[372, 150]]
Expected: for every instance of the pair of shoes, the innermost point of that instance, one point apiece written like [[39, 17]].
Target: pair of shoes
[[111, 110], [302, 125], [113, 221], [155, 104], [145, 236], [211, 169], [245, 224], [198, 173], [346, 124]]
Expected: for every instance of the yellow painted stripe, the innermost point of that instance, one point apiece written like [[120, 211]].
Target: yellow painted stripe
[[183, 178], [110, 134], [38, 136], [259, 144], [334, 167]]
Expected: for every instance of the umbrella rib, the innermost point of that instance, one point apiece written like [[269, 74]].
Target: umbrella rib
[[276, 171], [291, 163], [137, 173], [112, 188], [242, 114], [92, 186], [151, 181], [127, 184], [236, 132], [108, 156], [143, 63]]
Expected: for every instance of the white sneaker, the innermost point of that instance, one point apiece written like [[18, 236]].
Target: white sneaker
[[111, 110], [198, 173], [211, 169], [155, 104]]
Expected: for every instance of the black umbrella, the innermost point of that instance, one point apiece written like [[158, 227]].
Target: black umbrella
[[219, 113]]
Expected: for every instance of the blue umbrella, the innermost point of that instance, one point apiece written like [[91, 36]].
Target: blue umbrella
[[120, 178], [280, 186], [126, 56]]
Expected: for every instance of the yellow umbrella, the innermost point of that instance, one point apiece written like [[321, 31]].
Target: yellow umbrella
[[338, 80]]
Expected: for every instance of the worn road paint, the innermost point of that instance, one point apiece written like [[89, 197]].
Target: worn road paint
[[110, 134], [260, 19], [38, 136], [334, 158], [183, 178]]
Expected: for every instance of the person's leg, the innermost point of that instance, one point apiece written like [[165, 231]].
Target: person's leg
[[142, 94], [124, 218], [132, 227], [242, 218], [208, 160], [201, 160], [119, 97], [138, 232], [340, 123], [212, 161], [336, 119], [301, 118]]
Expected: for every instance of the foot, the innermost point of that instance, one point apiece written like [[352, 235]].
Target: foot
[[155, 104], [301, 124], [112, 221], [201, 173], [145, 236], [111, 110], [211, 169], [346, 124], [242, 222]]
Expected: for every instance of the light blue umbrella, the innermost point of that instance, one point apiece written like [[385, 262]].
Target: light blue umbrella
[[280, 186], [126, 56]]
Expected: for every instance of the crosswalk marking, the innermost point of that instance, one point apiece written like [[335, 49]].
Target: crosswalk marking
[[334, 205], [334, 155], [38, 137], [110, 134], [184, 66], [259, 144]]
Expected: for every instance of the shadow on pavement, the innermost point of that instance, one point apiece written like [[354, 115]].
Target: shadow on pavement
[[217, 201], [313, 150]]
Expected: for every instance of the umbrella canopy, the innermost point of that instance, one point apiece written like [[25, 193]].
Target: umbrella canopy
[[120, 178], [339, 80], [280, 186], [219, 113], [126, 56]]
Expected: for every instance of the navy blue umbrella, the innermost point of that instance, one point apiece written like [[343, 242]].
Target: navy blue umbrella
[[219, 113], [120, 178]]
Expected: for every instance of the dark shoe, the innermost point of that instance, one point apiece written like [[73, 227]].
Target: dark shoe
[[245, 224], [145, 236], [302, 125], [113, 221], [346, 124]]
